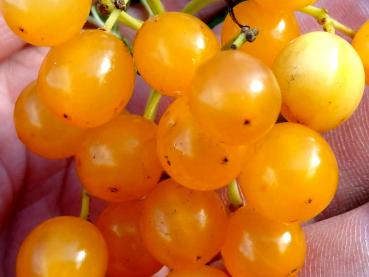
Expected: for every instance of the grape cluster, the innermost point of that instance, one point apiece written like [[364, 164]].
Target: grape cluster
[[221, 127]]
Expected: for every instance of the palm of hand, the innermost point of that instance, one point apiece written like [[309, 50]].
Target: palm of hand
[[33, 189]]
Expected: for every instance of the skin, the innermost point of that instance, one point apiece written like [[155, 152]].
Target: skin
[[33, 189]]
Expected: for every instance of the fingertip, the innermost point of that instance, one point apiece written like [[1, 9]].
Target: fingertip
[[9, 42]]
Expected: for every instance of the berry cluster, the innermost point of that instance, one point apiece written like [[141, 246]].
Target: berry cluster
[[221, 129]]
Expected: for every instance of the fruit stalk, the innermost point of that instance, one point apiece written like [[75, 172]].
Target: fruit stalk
[[156, 6], [85, 205], [195, 6], [234, 194], [147, 7], [112, 20], [329, 24], [152, 105], [125, 18]]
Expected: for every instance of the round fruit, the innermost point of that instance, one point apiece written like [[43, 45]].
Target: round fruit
[[118, 161], [178, 43], [235, 98], [322, 80], [257, 247], [204, 271], [276, 30], [189, 157], [285, 5], [44, 22], [291, 175], [128, 256], [88, 80], [42, 132], [63, 246], [361, 45], [183, 228]]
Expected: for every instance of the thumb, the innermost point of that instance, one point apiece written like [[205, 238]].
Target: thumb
[[9, 42]]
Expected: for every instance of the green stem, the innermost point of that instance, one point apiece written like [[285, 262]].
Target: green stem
[[97, 17], [152, 105], [236, 42], [195, 6], [112, 20], [130, 21], [94, 22], [156, 6], [147, 7], [85, 205], [329, 23], [234, 194]]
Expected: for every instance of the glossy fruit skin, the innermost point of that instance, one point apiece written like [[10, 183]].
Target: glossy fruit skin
[[190, 157], [285, 5], [128, 256], [235, 98], [42, 132], [276, 30], [63, 246], [321, 86], [204, 271], [183, 228], [43, 23], [87, 80], [257, 247], [361, 45], [170, 64], [118, 161], [291, 175]]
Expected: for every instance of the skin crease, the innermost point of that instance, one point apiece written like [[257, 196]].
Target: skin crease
[[33, 189]]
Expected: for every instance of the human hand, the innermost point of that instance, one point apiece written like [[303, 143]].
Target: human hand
[[33, 189]]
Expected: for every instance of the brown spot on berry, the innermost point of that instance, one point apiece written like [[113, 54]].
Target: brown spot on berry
[[66, 116], [246, 122], [168, 161], [21, 29], [309, 201], [225, 160], [113, 189]]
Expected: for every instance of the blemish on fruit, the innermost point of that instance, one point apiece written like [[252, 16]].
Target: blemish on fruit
[[21, 29], [113, 189], [246, 122], [309, 201], [168, 161], [225, 160], [292, 272], [66, 116]]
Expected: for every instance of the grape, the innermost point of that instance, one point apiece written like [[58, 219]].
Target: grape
[[291, 175], [178, 43], [44, 23], [235, 98], [118, 161], [128, 256], [322, 80], [284, 4], [181, 227], [189, 157], [88, 80], [41, 131], [204, 271], [361, 45], [257, 247], [276, 29], [63, 246]]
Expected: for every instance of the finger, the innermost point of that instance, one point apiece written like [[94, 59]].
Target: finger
[[339, 246], [350, 141], [9, 42]]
